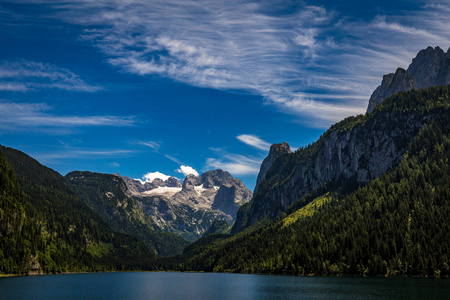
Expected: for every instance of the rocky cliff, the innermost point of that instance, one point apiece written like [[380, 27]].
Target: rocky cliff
[[353, 151], [431, 67], [276, 150], [189, 209]]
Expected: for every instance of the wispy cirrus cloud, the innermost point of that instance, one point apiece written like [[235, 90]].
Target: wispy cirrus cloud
[[306, 60], [114, 164], [18, 117], [236, 164], [151, 144], [254, 141], [58, 155], [22, 76], [174, 159]]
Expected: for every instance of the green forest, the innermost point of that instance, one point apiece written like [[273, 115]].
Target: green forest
[[397, 224], [104, 194], [44, 227]]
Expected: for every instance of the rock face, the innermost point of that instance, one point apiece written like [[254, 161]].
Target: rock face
[[355, 155], [354, 151], [276, 150], [189, 209], [431, 67]]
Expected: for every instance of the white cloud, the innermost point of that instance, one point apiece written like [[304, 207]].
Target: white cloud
[[151, 144], [149, 177], [236, 164], [23, 116], [174, 159], [21, 76], [54, 157], [380, 22], [250, 47], [254, 141], [13, 87], [186, 170]]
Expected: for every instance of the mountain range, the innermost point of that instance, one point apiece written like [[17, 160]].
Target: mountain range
[[369, 197], [189, 209], [336, 207]]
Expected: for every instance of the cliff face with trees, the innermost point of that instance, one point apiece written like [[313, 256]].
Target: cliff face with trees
[[394, 224], [352, 152], [431, 67], [370, 197], [355, 150]]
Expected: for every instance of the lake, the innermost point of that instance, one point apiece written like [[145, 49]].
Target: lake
[[161, 285]]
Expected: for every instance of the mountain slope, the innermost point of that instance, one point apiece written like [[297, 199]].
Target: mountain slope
[[106, 195], [351, 153], [431, 67], [217, 227], [14, 255], [51, 229], [395, 224]]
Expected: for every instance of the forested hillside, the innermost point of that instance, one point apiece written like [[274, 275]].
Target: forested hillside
[[349, 154], [106, 195], [396, 224], [44, 227]]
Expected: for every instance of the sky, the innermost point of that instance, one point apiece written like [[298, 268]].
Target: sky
[[150, 89]]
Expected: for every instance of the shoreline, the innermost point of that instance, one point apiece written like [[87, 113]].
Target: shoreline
[[173, 271]]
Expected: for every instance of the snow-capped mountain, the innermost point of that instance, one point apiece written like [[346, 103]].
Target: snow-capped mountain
[[188, 209]]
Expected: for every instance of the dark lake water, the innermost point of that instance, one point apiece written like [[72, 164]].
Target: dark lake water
[[147, 285]]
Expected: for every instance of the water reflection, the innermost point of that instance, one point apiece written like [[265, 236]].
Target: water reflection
[[147, 285]]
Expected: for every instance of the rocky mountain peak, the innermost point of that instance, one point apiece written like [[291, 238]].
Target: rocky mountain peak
[[279, 148], [173, 182], [430, 67], [158, 182], [189, 183], [276, 150], [188, 209], [427, 67], [215, 178]]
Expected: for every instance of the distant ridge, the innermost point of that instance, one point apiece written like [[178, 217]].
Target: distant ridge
[[189, 209]]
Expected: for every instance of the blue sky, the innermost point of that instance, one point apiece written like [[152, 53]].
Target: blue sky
[[138, 86]]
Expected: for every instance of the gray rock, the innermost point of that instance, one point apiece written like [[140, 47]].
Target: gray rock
[[158, 182], [224, 199], [357, 155], [276, 150], [392, 83], [430, 67], [189, 183], [214, 195], [173, 182]]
